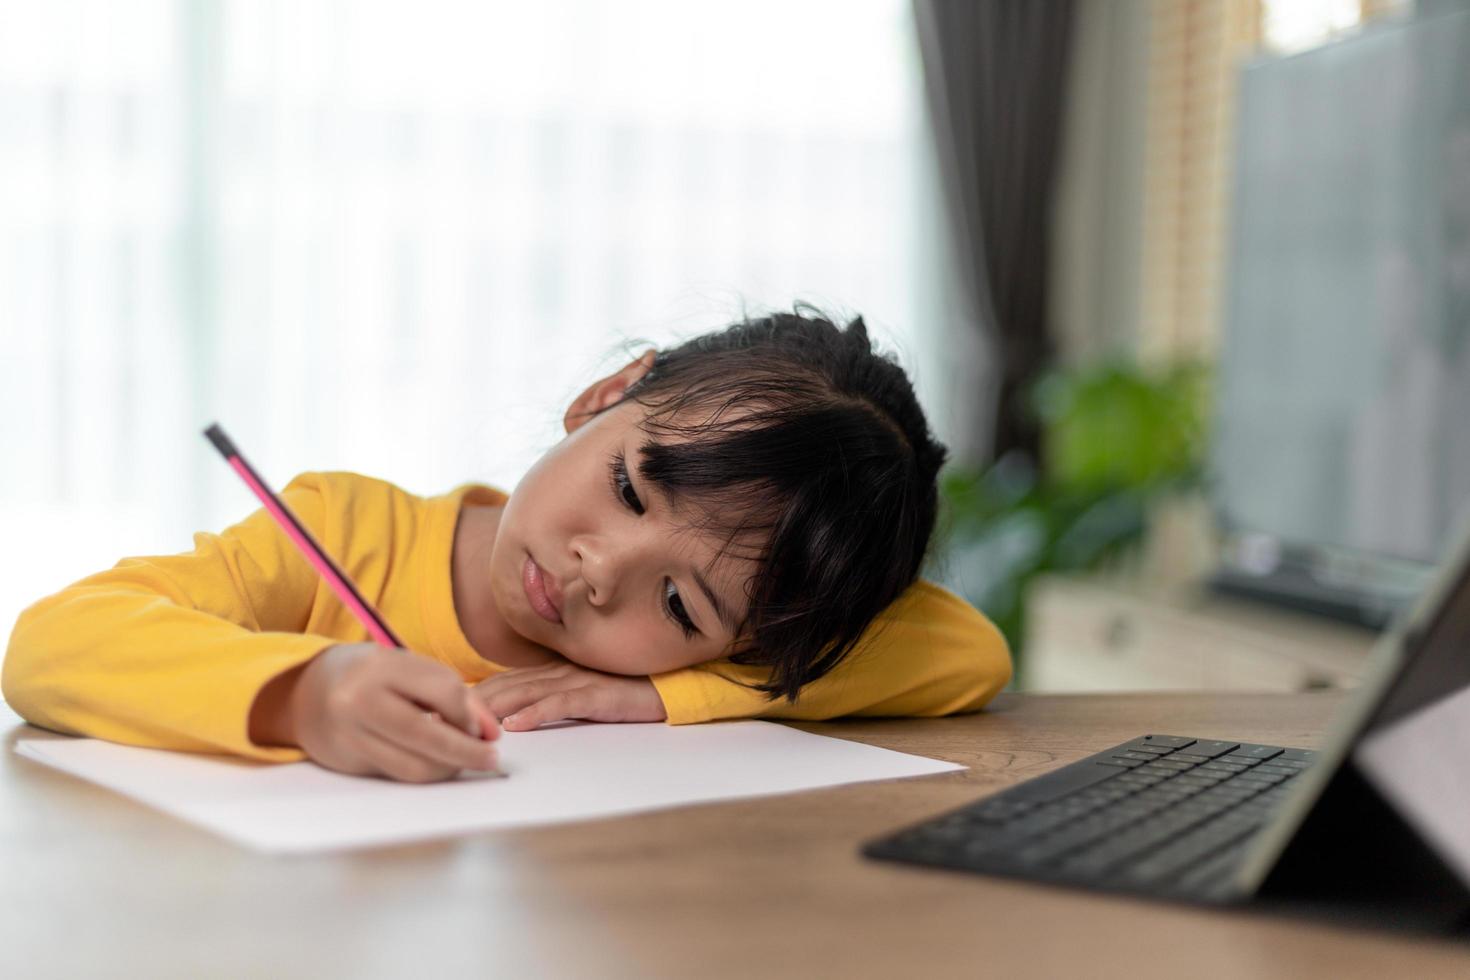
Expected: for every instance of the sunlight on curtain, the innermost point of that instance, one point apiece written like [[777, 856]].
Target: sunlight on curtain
[[397, 238]]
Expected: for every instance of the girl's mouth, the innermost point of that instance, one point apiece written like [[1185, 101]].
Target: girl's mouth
[[533, 581]]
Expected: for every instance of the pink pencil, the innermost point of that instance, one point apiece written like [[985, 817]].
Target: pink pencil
[[303, 540], [323, 563]]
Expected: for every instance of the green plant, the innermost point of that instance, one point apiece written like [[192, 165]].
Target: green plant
[[1115, 438]]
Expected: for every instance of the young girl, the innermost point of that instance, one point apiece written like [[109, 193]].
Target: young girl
[[731, 528]]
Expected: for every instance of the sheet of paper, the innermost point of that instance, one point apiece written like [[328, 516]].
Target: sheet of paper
[[569, 772]]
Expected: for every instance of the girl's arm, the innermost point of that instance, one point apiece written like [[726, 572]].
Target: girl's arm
[[170, 652], [929, 653]]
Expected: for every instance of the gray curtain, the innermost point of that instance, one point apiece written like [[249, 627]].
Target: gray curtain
[[995, 71]]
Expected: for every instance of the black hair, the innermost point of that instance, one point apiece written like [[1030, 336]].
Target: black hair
[[793, 433]]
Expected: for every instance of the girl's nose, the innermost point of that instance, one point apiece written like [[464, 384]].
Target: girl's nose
[[600, 568], [610, 563]]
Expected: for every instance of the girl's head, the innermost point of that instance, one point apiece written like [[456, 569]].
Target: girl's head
[[761, 493]]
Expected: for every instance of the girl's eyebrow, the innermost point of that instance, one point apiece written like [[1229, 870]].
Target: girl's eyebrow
[[721, 610]]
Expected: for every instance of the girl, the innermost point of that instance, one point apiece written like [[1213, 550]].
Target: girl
[[731, 528]]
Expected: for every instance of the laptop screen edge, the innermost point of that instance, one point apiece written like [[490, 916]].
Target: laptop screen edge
[[1391, 657]]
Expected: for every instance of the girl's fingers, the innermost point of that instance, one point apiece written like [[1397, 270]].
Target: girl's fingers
[[559, 706], [409, 727], [489, 723], [402, 764], [512, 699], [435, 687], [520, 675]]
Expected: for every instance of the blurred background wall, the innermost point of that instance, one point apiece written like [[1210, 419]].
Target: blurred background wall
[[397, 238]]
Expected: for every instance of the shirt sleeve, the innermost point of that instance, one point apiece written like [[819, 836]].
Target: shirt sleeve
[[930, 653], [170, 652]]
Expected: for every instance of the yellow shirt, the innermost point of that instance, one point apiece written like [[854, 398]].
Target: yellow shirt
[[170, 652]]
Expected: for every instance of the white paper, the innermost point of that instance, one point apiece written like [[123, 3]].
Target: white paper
[[558, 773], [1418, 763]]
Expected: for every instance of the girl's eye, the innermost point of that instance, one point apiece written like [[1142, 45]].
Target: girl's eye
[[673, 604], [623, 487], [674, 607]]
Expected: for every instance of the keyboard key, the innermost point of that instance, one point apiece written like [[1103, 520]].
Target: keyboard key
[[978, 846], [1144, 783], [1239, 760], [1169, 764], [1203, 807], [1172, 793], [1070, 811], [1172, 741], [1161, 774], [1218, 766], [1232, 791], [1275, 770], [1213, 749], [1190, 779], [1213, 775], [1188, 757], [1299, 755], [1119, 761], [1238, 790], [1038, 822], [1040, 852], [1262, 752], [1140, 756], [1134, 808], [1180, 788]]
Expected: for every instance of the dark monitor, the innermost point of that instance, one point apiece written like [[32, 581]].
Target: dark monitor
[[1341, 462]]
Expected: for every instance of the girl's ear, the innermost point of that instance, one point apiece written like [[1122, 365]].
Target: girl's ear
[[608, 391]]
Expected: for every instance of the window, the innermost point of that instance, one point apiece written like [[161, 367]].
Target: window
[[396, 238], [1195, 47]]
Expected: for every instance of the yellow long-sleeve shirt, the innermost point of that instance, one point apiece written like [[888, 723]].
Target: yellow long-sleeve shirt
[[170, 652]]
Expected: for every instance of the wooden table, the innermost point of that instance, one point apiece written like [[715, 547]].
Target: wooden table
[[92, 884]]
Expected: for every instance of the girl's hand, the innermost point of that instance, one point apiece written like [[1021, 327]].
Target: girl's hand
[[369, 710], [528, 697]]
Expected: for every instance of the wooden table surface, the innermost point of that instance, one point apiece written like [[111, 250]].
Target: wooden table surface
[[92, 884]]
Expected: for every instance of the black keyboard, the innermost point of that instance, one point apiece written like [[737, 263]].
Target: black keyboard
[[1160, 814]]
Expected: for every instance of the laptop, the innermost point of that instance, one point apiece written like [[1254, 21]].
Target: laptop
[[1373, 826]]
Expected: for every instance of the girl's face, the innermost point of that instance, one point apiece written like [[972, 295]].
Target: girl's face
[[595, 563]]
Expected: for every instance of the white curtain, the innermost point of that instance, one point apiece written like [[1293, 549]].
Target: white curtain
[[397, 237]]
